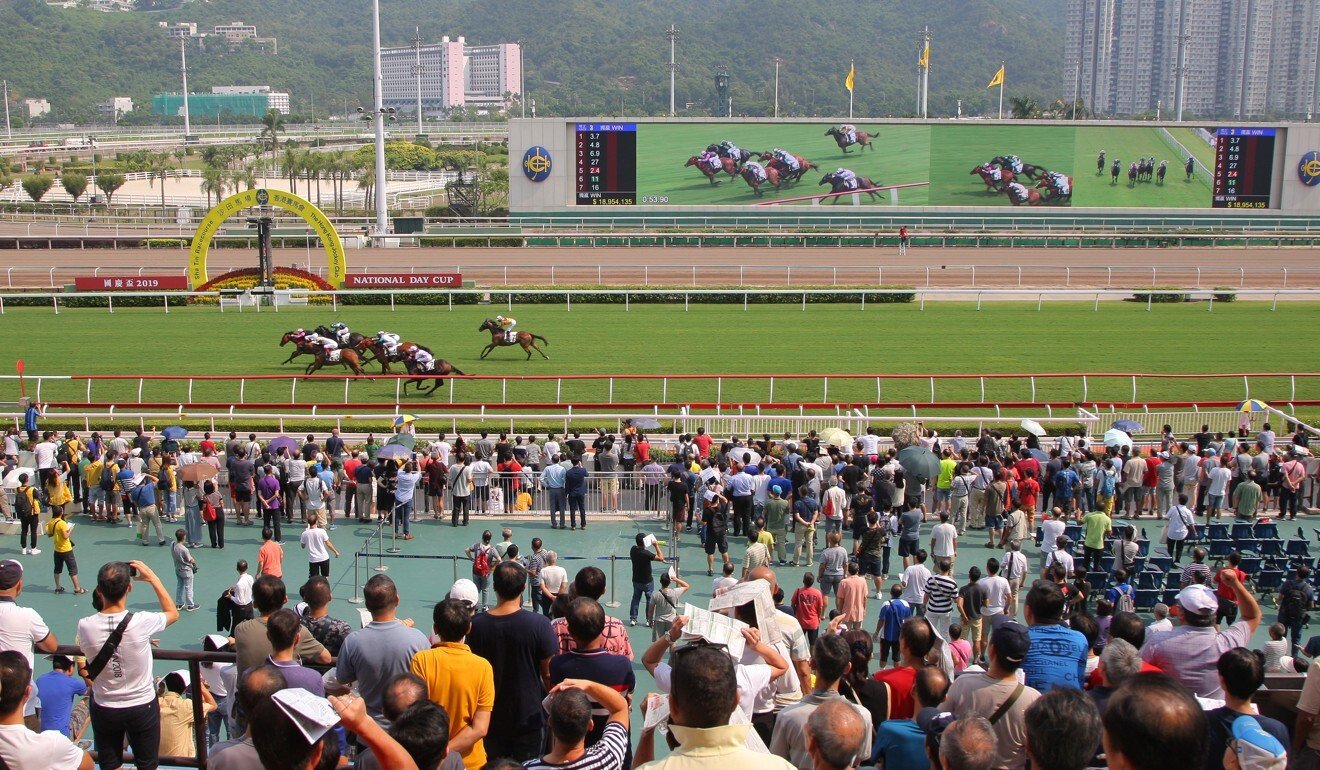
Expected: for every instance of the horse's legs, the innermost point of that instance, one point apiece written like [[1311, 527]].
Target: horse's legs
[[489, 348], [538, 350]]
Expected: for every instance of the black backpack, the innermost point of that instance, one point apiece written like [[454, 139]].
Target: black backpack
[[1292, 601], [107, 482]]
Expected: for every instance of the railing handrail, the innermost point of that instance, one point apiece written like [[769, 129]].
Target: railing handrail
[[737, 376]]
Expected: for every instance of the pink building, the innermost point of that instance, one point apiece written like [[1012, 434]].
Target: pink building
[[453, 74]]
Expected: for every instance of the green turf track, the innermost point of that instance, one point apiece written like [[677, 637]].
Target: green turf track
[[902, 155], [1128, 145], [946, 337]]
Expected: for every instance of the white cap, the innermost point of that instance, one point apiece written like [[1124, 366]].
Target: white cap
[[1198, 599], [465, 590]]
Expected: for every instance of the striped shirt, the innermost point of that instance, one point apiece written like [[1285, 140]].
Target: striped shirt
[[941, 590], [605, 754]]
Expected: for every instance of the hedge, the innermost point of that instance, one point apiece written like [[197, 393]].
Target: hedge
[[1225, 294], [1159, 294], [592, 295]]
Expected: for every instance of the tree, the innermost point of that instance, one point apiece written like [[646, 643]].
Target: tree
[[159, 166], [1023, 107], [293, 166], [272, 125], [37, 185], [74, 184], [315, 163], [110, 184], [214, 182], [244, 176]]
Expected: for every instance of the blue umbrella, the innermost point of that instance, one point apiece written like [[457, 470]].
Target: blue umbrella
[[174, 433], [1128, 426], [393, 452], [1040, 454], [282, 442]]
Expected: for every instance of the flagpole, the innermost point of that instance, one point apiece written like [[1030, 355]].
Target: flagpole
[[852, 70], [1002, 68]]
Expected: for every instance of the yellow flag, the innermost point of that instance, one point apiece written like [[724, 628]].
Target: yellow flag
[[925, 56], [998, 79], [852, 77]]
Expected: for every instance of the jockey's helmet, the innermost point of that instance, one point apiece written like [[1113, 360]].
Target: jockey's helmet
[[338, 325], [499, 318]]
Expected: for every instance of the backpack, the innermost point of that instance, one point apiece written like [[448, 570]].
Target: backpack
[[23, 503], [1292, 601], [1123, 602], [107, 482], [1107, 484], [481, 561]]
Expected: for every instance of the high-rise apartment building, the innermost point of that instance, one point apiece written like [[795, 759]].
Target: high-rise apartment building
[[453, 74]]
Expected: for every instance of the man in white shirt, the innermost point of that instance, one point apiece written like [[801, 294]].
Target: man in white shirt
[[1014, 570], [914, 580], [553, 578], [870, 442], [123, 694], [551, 447], [21, 628], [1051, 529], [998, 593], [481, 472], [1060, 556], [443, 449], [944, 539], [21, 748]]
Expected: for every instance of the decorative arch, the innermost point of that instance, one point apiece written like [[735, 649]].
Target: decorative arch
[[313, 216]]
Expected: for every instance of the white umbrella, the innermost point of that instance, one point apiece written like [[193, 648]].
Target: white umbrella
[[11, 478], [737, 453], [1115, 437], [837, 437], [1033, 427]]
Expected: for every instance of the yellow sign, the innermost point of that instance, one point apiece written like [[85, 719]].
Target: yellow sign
[[314, 217]]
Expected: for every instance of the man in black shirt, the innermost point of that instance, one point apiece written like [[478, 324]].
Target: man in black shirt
[[310, 449], [642, 579], [334, 445], [576, 446], [680, 502]]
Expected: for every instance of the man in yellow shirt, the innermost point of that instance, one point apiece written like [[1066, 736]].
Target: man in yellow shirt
[[459, 680], [61, 531], [94, 502]]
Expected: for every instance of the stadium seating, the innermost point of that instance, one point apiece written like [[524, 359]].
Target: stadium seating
[[1149, 579], [1272, 547], [1145, 599], [1219, 532], [1220, 549], [1243, 531], [1298, 547], [1160, 563], [1251, 564], [1268, 581], [1267, 529]]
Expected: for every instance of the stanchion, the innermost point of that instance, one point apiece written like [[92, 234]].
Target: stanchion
[[613, 602], [394, 522], [380, 547], [357, 596], [454, 561]]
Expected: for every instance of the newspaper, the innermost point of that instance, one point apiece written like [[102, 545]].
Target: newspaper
[[758, 593], [715, 628], [657, 718], [312, 715]]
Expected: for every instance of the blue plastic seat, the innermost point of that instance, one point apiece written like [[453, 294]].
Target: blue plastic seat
[[1243, 531]]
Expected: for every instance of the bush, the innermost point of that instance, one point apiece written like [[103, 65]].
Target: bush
[[166, 243], [1159, 294], [592, 295], [470, 242], [1225, 294]]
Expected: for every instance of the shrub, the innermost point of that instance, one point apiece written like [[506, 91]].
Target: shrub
[[1225, 294], [1159, 294], [166, 243]]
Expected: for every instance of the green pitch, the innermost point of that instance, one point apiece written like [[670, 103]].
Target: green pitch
[[1128, 144], [901, 155], [946, 337]]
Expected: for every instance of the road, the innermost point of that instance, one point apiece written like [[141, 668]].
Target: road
[[957, 267]]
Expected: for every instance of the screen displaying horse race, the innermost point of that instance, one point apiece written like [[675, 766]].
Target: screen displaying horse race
[[960, 164]]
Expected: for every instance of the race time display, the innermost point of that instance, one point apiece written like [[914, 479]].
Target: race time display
[[606, 164], [1244, 168]]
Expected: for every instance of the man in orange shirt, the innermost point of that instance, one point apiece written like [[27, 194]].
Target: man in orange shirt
[[459, 680], [270, 557], [850, 598]]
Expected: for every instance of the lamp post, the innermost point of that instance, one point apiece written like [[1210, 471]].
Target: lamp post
[[92, 141], [672, 34], [183, 67], [378, 116], [778, 61], [417, 71]]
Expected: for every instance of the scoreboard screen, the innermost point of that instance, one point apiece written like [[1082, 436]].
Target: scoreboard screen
[[1244, 168], [606, 164]]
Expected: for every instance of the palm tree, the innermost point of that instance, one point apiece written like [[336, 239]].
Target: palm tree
[[316, 165], [159, 165], [272, 125], [340, 167], [1023, 107], [214, 181], [292, 167], [366, 181], [244, 176]]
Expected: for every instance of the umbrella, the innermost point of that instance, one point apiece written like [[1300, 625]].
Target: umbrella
[[837, 437], [393, 452], [169, 445], [1301, 451], [403, 419], [198, 472], [919, 464], [282, 442], [11, 478], [174, 433], [1253, 405], [646, 423], [1033, 427], [1116, 437], [403, 439], [1128, 426], [737, 453], [1039, 454]]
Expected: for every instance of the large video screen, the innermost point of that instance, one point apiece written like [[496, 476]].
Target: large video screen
[[962, 164]]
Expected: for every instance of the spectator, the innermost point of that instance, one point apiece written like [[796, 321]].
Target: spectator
[[282, 743], [575, 491], [836, 736], [1190, 652], [124, 704], [971, 608], [1228, 608], [270, 556], [1057, 657], [459, 681], [808, 604], [317, 542], [776, 522], [1160, 618], [664, 603], [57, 690], [250, 642], [1118, 663], [1098, 526], [418, 725], [554, 579], [484, 558], [1063, 731], [271, 500], [22, 629], [901, 743], [833, 563], [830, 659], [252, 688], [591, 662], [1276, 649], [758, 553], [1241, 674], [61, 531], [1295, 598], [941, 596], [914, 580], [381, 649], [176, 714], [915, 640], [518, 644], [893, 614], [571, 719], [703, 693], [641, 558], [316, 616], [1153, 723], [283, 630], [21, 748], [1181, 527], [850, 598], [997, 695], [944, 539], [967, 744], [590, 582]]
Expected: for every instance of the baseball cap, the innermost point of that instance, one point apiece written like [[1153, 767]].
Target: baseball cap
[[1198, 599], [465, 590], [1011, 640], [932, 720], [60, 661], [1255, 748], [10, 573]]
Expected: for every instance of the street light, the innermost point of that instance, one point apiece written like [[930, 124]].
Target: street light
[[92, 141]]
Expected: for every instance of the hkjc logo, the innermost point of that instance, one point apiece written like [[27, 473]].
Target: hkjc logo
[[1308, 168], [263, 197], [536, 164]]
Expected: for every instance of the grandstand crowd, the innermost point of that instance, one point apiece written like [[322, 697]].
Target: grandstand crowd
[[971, 666]]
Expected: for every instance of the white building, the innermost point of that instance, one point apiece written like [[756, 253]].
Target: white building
[[179, 28], [275, 100], [35, 107], [236, 31], [114, 108], [454, 74]]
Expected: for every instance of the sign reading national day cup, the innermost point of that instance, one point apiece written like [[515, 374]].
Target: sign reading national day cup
[[403, 281]]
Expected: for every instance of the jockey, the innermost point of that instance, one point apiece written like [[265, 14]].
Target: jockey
[[425, 361], [1017, 191], [758, 171], [506, 326], [727, 149], [341, 332], [849, 132], [388, 341], [299, 335], [709, 159], [785, 157], [327, 344], [846, 177], [1058, 182], [1014, 163], [996, 172]]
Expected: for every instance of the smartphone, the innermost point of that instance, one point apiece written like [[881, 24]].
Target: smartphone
[[132, 571]]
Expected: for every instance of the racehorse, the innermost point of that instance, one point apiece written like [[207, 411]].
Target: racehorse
[[725, 163], [347, 357], [1029, 171], [526, 339], [1132, 175], [858, 183], [401, 352], [1160, 172], [755, 182], [1053, 198], [440, 368], [1100, 164], [985, 172], [300, 348], [1020, 195], [841, 139], [738, 158], [1190, 167], [354, 339], [787, 175]]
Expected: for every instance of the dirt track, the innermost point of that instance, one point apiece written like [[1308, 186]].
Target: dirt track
[[722, 266]]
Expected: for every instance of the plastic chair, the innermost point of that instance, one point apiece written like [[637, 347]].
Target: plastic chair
[[1298, 547], [1268, 581], [1220, 549], [1149, 579], [1160, 563], [1265, 530], [1145, 599], [1243, 531], [1097, 581], [1274, 547], [1251, 564], [1220, 532]]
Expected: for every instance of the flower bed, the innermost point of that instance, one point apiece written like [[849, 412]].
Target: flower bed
[[284, 277]]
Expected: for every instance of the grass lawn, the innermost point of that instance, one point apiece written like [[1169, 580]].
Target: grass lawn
[[1126, 145], [947, 337]]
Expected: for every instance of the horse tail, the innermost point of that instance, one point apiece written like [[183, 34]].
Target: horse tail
[[455, 370], [539, 337]]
